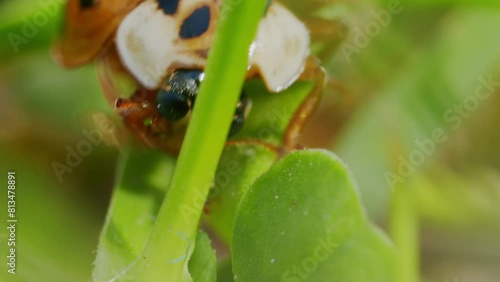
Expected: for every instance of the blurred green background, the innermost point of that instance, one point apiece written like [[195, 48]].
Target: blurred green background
[[394, 82]]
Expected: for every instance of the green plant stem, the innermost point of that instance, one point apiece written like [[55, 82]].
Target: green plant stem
[[172, 240], [404, 229]]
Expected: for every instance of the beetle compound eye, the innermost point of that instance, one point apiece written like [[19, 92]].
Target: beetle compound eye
[[176, 97]]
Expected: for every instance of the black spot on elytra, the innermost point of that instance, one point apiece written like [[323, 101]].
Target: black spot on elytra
[[169, 7], [196, 24], [85, 4]]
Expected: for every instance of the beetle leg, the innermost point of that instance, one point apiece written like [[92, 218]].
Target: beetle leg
[[313, 71], [329, 33], [240, 114]]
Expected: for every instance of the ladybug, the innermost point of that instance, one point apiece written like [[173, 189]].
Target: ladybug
[[160, 47]]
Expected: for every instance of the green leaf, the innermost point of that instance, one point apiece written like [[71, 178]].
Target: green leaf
[[271, 112], [238, 168], [302, 220], [203, 263], [252, 154], [143, 177]]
